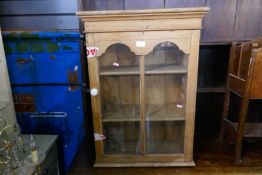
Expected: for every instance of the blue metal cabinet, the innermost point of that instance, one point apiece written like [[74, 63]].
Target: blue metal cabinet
[[39, 57], [57, 110], [46, 75]]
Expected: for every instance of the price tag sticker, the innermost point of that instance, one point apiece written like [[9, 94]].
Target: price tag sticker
[[91, 52], [99, 137], [140, 44]]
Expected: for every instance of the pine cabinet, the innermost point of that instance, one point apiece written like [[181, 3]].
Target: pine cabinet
[[143, 78]]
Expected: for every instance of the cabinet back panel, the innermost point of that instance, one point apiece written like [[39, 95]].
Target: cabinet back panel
[[122, 138], [164, 137]]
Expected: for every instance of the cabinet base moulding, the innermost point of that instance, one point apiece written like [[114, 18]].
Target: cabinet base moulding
[[148, 164]]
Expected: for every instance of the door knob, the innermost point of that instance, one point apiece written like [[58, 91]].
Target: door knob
[[93, 92]]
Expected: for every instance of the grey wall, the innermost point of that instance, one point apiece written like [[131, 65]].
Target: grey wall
[[39, 15]]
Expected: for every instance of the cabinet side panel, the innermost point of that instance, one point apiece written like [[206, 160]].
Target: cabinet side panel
[[256, 84], [191, 95]]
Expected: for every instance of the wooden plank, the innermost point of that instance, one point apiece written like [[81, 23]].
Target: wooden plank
[[134, 70], [256, 84], [143, 4], [155, 12], [158, 112], [165, 69], [191, 96], [212, 90], [137, 119], [109, 4], [142, 104], [155, 91], [236, 84], [110, 95], [130, 92], [94, 83], [184, 3], [93, 73], [150, 35], [167, 164], [143, 25], [121, 70], [197, 12], [219, 22], [148, 158], [248, 19], [252, 130], [244, 108], [227, 94]]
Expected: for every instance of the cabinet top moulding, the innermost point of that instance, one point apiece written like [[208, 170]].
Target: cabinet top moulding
[[186, 18]]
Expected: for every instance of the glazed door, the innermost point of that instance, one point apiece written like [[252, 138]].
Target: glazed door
[[141, 106], [119, 77], [165, 99]]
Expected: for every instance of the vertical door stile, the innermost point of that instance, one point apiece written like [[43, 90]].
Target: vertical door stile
[[142, 103], [96, 106]]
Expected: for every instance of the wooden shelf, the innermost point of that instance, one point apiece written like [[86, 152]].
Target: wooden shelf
[[252, 130], [165, 69], [121, 113], [158, 146], [134, 70], [168, 112], [212, 90], [129, 113], [120, 70]]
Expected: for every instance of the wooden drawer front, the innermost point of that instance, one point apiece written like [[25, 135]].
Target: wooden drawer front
[[237, 85], [143, 25]]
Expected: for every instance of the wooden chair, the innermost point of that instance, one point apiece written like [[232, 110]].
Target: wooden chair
[[245, 80]]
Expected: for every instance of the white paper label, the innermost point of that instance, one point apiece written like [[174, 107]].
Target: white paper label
[[99, 136], [91, 52], [140, 44]]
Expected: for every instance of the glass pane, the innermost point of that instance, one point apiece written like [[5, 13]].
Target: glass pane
[[165, 99], [165, 137], [120, 96], [118, 60], [122, 137]]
